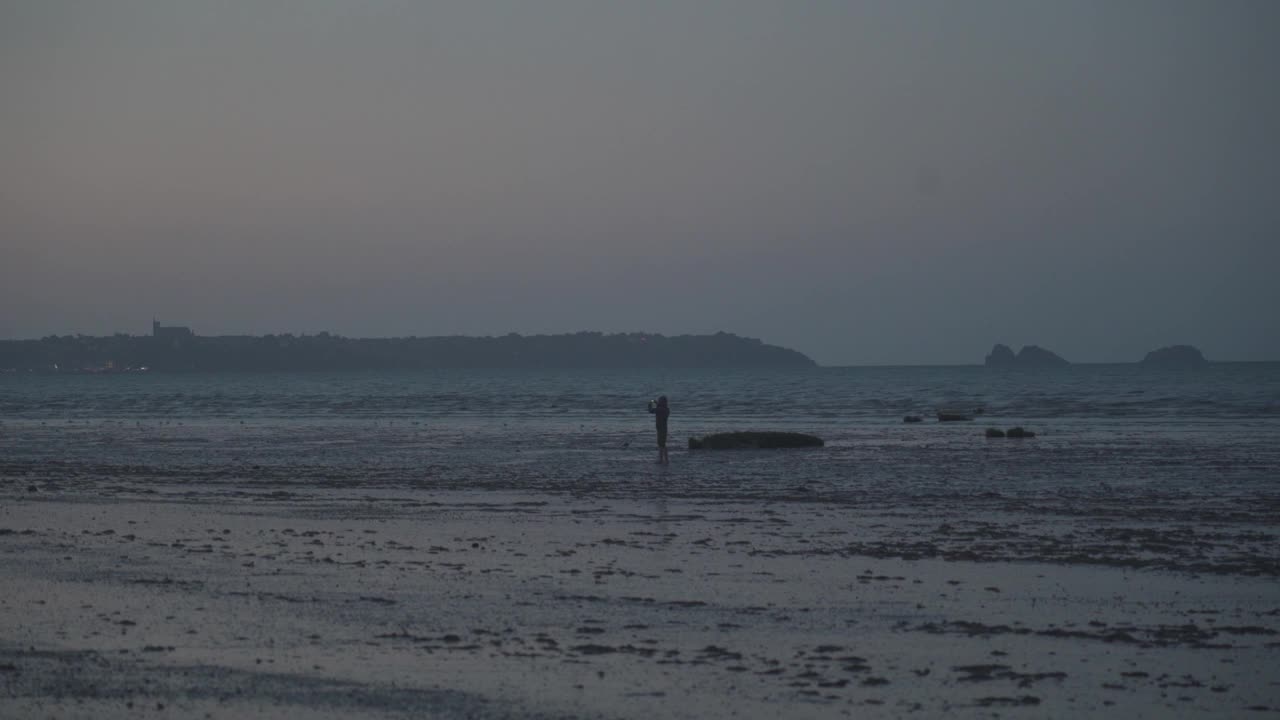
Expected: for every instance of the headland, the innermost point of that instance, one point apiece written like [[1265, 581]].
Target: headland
[[180, 349]]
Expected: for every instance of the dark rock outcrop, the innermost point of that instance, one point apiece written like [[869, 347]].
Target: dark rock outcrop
[[1175, 356], [1030, 356], [1036, 356], [754, 440], [1017, 432], [1001, 356]]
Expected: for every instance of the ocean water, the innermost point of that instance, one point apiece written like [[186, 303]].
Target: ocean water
[[1208, 436], [1130, 467]]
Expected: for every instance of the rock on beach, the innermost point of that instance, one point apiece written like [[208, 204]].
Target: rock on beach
[[754, 440]]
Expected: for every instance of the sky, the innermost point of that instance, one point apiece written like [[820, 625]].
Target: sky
[[880, 182]]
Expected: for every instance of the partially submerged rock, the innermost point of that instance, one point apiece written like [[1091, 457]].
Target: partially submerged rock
[[1016, 432], [754, 440]]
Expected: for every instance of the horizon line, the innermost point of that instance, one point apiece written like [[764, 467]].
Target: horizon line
[[607, 333]]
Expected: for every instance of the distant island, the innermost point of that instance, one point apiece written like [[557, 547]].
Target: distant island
[[180, 349], [1030, 356], [1175, 356]]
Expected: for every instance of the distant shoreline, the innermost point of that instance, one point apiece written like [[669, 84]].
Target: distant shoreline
[[179, 349], [7, 372]]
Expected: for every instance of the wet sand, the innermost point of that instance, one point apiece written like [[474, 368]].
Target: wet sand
[[157, 601]]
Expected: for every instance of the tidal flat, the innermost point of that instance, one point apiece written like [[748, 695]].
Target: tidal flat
[[246, 600]]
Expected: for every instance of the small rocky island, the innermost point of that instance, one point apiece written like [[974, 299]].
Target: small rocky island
[[1030, 356], [1175, 356]]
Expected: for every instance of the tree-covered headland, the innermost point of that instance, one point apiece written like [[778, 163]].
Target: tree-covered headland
[[185, 351]]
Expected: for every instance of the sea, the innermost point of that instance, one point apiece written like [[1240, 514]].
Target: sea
[[1194, 442]]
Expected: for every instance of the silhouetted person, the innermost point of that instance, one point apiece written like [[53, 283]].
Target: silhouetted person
[[661, 412]]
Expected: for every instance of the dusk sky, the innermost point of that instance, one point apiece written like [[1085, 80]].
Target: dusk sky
[[867, 182]]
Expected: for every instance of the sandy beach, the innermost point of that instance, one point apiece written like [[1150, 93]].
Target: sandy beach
[[248, 601]]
